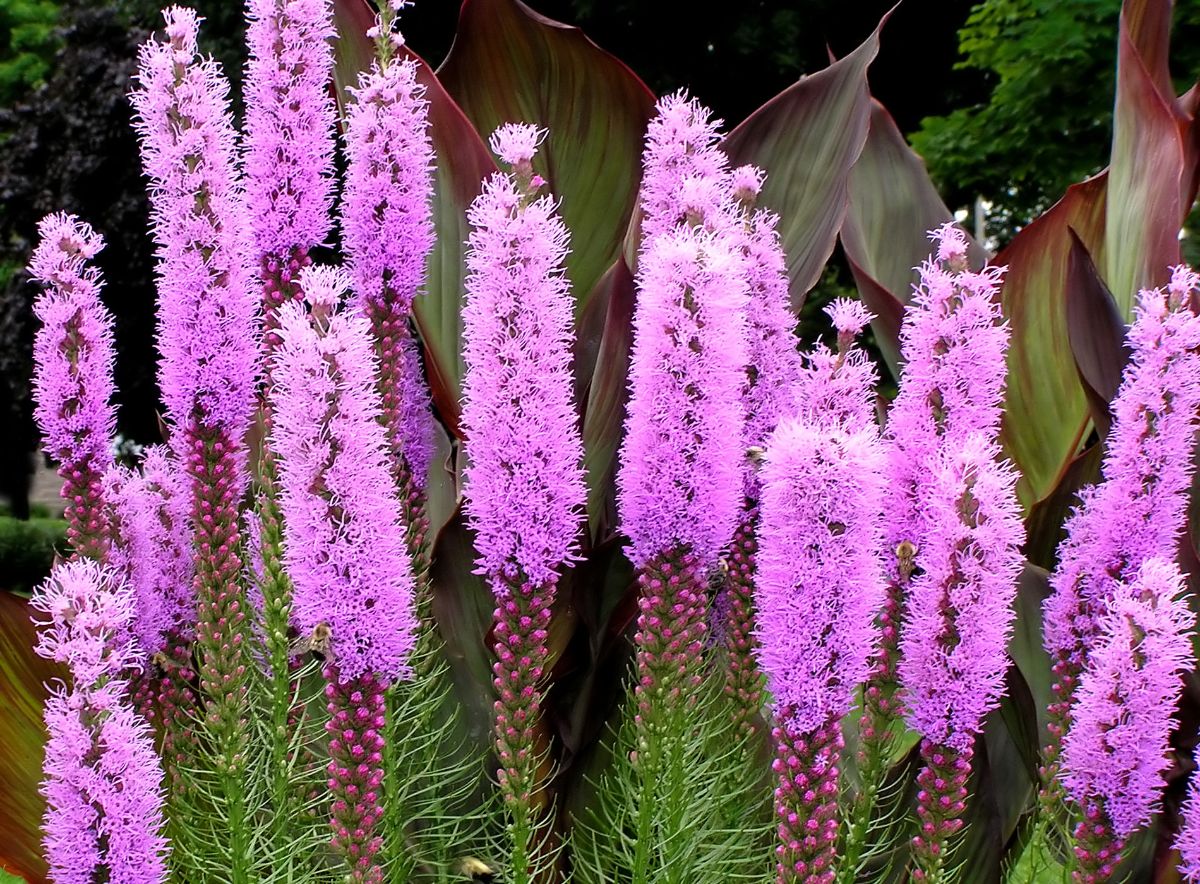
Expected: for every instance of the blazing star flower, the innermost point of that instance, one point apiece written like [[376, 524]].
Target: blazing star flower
[[524, 481], [104, 803], [73, 372], [1187, 842], [960, 608], [773, 363], [387, 227], [1136, 513], [680, 482], [290, 118], [1117, 749], [154, 551], [837, 388], [343, 543], [207, 333], [387, 216], [953, 343], [820, 568], [684, 171]]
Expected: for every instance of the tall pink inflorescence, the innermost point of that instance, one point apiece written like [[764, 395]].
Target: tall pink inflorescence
[[820, 583], [1137, 511], [387, 232], [154, 547], [290, 117], [959, 620], [208, 340], [103, 784], [1187, 841], [73, 374], [685, 172], [953, 343], [524, 484], [773, 367], [343, 543], [1118, 748]]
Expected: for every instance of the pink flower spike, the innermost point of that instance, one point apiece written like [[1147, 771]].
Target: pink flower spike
[[1118, 746], [208, 315], [524, 481], [952, 245], [960, 613], [820, 576], [516, 143], [290, 118], [73, 372], [681, 476], [343, 541]]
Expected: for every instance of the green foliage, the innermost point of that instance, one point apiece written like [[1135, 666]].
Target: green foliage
[[691, 803], [27, 550], [25, 55], [1047, 122]]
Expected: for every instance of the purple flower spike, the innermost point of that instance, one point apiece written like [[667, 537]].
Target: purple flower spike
[[208, 337], [960, 608], [819, 585], [1117, 749], [73, 373], [836, 388], [820, 569], [774, 363], [1137, 511], [681, 472], [1187, 842], [155, 547], [290, 118], [104, 803], [387, 215], [684, 170], [208, 319], [387, 227], [343, 543], [524, 482]]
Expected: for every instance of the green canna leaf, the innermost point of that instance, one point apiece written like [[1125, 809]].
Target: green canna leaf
[[510, 64], [23, 676], [807, 139]]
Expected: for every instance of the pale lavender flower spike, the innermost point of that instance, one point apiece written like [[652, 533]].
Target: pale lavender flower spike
[[773, 357], [1187, 842], [290, 118], [1137, 512], [73, 372], [154, 546], [820, 569], [208, 314], [104, 802], [836, 388], [960, 613], [343, 542], [681, 477], [684, 169], [524, 479], [1117, 749]]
